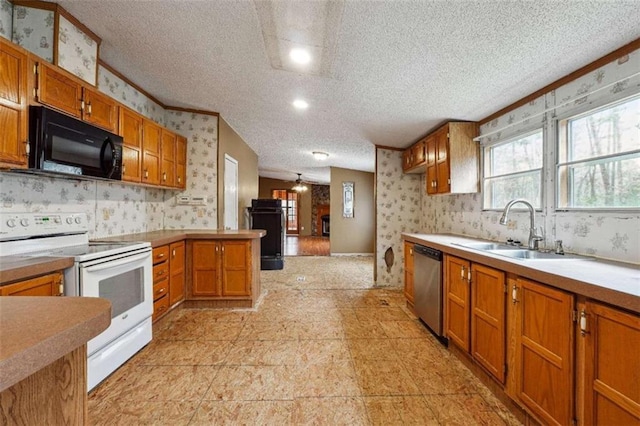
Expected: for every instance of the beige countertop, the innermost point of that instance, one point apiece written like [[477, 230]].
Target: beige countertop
[[35, 331], [161, 238], [616, 283], [18, 268]]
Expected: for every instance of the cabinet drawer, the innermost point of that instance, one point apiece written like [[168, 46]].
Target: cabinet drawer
[[161, 288], [160, 307], [160, 254], [160, 271]]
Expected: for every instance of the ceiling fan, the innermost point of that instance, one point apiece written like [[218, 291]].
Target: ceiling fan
[[299, 186]]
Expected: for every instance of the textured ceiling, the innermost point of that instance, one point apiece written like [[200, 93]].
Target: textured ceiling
[[400, 67]]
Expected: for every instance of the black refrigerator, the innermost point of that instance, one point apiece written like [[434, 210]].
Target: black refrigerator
[[267, 214]]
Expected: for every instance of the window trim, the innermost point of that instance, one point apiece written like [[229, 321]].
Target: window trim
[[519, 135], [577, 113]]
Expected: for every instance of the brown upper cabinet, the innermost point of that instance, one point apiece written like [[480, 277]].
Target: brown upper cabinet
[[168, 158], [131, 132], [181, 162], [151, 147], [14, 145], [58, 89], [456, 169], [413, 158]]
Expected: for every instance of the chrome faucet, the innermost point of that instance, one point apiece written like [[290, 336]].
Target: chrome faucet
[[533, 237]]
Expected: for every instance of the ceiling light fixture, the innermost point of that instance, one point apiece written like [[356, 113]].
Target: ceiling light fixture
[[300, 56], [300, 104], [320, 156], [299, 186]]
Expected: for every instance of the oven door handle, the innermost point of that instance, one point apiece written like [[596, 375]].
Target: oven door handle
[[112, 167], [116, 263]]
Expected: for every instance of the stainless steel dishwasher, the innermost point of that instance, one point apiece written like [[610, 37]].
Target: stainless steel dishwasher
[[427, 295]]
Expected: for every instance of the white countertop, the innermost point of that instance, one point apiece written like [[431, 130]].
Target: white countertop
[[616, 283]]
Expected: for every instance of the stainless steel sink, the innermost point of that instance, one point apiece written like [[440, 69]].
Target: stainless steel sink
[[486, 246], [516, 252], [535, 255]]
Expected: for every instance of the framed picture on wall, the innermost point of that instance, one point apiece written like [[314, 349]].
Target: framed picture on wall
[[347, 199]]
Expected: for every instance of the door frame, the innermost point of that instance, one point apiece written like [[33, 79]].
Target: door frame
[[230, 194]]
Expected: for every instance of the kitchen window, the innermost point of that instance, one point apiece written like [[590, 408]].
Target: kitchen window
[[599, 158], [513, 169]]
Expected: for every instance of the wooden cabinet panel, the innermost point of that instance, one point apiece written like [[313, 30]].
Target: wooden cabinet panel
[[161, 288], [160, 271], [13, 107], [151, 146], [181, 162], [177, 271], [408, 272], [205, 269], [100, 110], [168, 158], [432, 173], [160, 254], [46, 285], [612, 366], [59, 91], [442, 160], [457, 301], [160, 307], [488, 322], [236, 268], [418, 153], [544, 351], [407, 159], [131, 132]]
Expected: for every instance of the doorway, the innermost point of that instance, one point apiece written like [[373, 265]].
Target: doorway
[[290, 205], [230, 192]]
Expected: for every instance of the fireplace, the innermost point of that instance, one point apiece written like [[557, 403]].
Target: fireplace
[[325, 225]]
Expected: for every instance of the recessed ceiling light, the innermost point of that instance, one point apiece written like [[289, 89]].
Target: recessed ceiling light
[[300, 104], [320, 156], [300, 56]]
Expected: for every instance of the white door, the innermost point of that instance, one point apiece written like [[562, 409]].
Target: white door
[[230, 192]]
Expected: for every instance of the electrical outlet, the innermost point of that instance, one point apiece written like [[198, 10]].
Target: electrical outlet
[[183, 200], [198, 200]]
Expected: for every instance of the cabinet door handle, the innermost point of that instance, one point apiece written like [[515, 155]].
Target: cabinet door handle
[[173, 253], [146, 174], [27, 148], [82, 105], [583, 323], [514, 294], [462, 273], [89, 108], [164, 176], [469, 276], [179, 179]]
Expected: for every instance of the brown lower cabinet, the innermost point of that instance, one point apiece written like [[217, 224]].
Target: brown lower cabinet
[[544, 342], [611, 365], [168, 277], [408, 272], [220, 269], [46, 285], [476, 312]]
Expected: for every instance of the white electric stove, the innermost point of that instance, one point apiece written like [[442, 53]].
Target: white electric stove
[[119, 272]]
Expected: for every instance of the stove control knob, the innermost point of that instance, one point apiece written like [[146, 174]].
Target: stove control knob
[[69, 220], [57, 220], [11, 223], [24, 222], [78, 220]]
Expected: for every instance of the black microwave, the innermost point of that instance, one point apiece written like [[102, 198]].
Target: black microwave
[[64, 145]]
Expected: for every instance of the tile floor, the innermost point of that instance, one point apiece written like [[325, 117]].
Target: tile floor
[[323, 348]]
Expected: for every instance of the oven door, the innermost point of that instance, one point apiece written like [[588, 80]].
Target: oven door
[[124, 280]]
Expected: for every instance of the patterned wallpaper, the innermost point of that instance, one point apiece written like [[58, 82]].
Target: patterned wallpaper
[[320, 194], [397, 211], [33, 30], [6, 19], [201, 132], [112, 208], [77, 52], [119, 89]]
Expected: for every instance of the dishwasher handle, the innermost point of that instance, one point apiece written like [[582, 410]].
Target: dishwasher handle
[[428, 251]]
